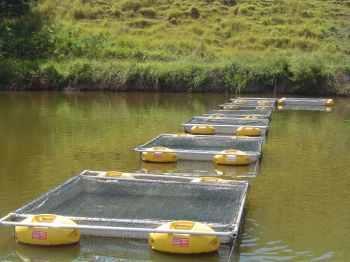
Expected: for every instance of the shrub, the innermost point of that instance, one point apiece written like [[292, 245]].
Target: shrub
[[141, 23], [229, 2], [148, 12], [194, 13], [131, 5]]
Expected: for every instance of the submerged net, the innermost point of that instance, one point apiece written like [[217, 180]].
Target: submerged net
[[228, 121], [206, 143], [138, 199]]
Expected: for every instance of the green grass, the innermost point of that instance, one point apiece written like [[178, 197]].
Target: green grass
[[303, 46]]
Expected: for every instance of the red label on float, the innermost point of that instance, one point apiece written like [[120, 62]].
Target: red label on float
[[180, 241], [157, 154], [39, 235]]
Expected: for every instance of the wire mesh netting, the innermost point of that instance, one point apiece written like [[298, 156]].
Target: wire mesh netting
[[140, 199], [271, 99], [205, 143], [248, 106], [236, 115], [228, 121], [264, 113], [305, 108], [200, 169], [304, 101]]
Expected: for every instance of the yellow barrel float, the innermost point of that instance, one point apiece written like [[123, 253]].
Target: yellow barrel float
[[159, 154], [47, 236], [329, 102], [240, 102], [248, 131], [232, 157], [281, 101], [118, 174], [202, 130], [184, 243], [253, 117], [231, 107], [263, 103], [210, 179]]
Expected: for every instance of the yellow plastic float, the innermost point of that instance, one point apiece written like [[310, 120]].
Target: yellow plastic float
[[248, 131], [232, 157], [184, 243], [253, 117], [240, 102], [211, 179], [118, 174], [263, 103], [159, 154], [215, 117], [202, 130], [232, 107], [281, 101], [47, 236], [182, 135], [329, 102]]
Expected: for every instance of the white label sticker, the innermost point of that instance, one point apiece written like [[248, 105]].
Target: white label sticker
[[231, 157]]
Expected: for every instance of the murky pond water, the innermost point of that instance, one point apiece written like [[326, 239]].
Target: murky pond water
[[298, 207]]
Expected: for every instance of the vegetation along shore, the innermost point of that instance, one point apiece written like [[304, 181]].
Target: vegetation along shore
[[297, 46]]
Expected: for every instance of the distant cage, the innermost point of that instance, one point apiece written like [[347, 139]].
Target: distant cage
[[305, 101], [250, 106], [304, 108], [265, 113], [204, 147], [226, 126], [228, 120]]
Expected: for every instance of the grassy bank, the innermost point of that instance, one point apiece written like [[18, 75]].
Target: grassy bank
[[181, 45]]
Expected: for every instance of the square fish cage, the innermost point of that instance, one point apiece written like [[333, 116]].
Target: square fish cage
[[268, 102], [260, 113], [236, 115], [134, 205], [304, 108], [201, 169], [225, 125], [248, 98], [301, 101], [247, 106], [204, 147]]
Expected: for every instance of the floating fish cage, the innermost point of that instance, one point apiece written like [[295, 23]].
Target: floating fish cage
[[231, 120], [203, 147], [226, 126], [247, 98], [257, 113], [200, 169], [304, 108], [252, 106], [236, 115], [305, 101], [254, 101], [132, 206]]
